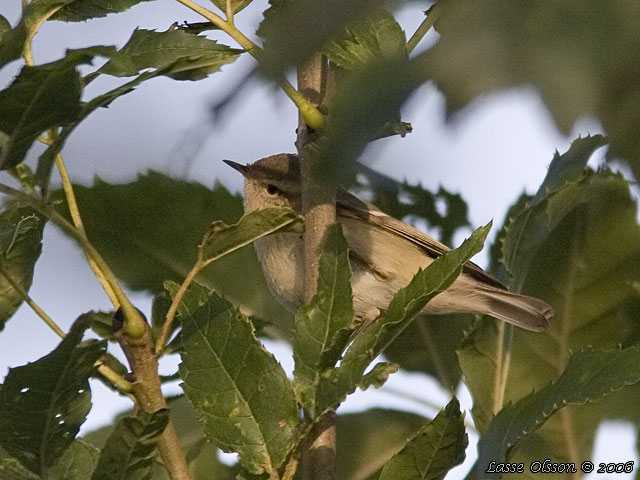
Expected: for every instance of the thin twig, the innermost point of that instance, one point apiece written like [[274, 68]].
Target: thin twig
[[173, 308], [424, 27], [229, 12], [72, 203]]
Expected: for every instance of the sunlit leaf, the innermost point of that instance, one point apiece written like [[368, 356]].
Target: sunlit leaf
[[243, 398], [323, 328], [433, 451], [175, 53], [130, 449]]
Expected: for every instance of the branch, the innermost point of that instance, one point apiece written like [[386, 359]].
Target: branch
[[319, 210], [147, 390]]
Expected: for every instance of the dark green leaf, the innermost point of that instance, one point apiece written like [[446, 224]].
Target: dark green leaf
[[589, 376], [175, 53], [293, 30], [375, 38], [11, 469], [241, 394], [222, 239], [236, 5], [44, 403], [122, 222], [429, 345], [129, 451], [76, 463], [39, 98], [404, 306], [81, 10], [368, 100], [5, 27], [323, 328], [433, 451], [584, 61], [101, 323], [21, 231], [366, 440]]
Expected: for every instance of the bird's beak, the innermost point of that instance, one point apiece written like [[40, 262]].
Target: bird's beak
[[243, 169]]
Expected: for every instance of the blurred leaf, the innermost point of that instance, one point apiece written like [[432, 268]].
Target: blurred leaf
[[323, 327], [130, 449], [123, 222], [433, 451], [366, 440], [584, 59], [175, 53], [21, 231], [236, 5], [589, 376], [5, 27], [76, 463], [372, 39], [222, 239], [578, 248], [405, 305], [367, 101], [241, 394], [81, 10], [293, 30], [429, 345], [12, 469], [44, 403], [101, 323]]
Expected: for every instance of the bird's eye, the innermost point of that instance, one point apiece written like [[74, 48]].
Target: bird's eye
[[272, 189]]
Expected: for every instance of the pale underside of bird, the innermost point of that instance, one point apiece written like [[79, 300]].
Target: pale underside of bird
[[385, 254]]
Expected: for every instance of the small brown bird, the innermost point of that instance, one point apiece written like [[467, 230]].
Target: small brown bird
[[385, 254]]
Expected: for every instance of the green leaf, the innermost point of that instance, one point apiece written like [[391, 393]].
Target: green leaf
[[368, 439], [405, 305], [129, 451], [222, 239], [433, 451], [293, 30], [429, 344], [45, 402], [578, 248], [373, 39], [76, 463], [40, 98], [323, 328], [122, 222], [21, 231], [589, 376], [175, 53], [12, 469], [236, 5], [5, 27], [82, 10], [242, 396], [583, 61]]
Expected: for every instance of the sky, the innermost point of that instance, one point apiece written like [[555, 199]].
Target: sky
[[492, 151]]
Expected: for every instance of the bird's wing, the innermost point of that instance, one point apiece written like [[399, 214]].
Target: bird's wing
[[349, 205]]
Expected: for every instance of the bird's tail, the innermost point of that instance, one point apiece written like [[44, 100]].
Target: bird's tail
[[525, 312]]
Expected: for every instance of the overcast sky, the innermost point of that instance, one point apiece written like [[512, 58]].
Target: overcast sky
[[498, 147]]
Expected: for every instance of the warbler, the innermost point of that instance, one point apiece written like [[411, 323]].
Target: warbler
[[384, 254]]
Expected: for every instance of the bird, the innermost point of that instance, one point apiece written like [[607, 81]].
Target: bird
[[384, 254]]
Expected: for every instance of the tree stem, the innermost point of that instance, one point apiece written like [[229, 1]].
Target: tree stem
[[318, 206]]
